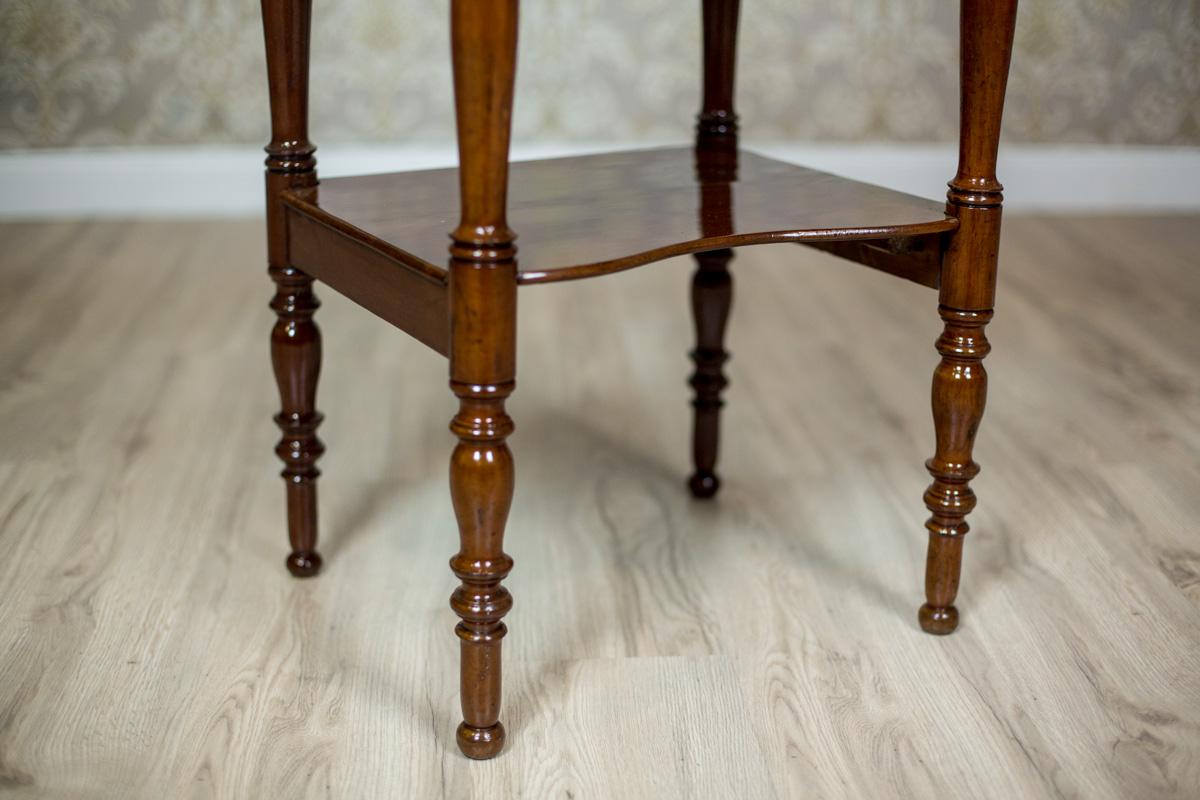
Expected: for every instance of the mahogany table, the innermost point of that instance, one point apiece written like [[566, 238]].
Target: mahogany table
[[382, 241]]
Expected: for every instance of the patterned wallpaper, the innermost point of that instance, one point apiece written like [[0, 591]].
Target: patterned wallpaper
[[134, 72]]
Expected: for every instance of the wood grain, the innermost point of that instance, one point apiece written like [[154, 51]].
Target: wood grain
[[592, 215], [151, 646]]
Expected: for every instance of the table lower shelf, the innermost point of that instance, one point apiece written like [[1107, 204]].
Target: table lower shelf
[[382, 240], [592, 215]]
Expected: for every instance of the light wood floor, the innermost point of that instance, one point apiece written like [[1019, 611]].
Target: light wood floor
[[764, 645]]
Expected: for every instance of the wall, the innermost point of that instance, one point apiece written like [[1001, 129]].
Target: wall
[[161, 72]]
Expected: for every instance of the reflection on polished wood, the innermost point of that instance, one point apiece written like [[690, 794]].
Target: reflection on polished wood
[[591, 215], [716, 159]]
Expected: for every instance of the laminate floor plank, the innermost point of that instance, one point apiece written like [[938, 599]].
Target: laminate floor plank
[[760, 646]]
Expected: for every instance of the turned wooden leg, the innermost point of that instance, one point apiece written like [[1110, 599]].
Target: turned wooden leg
[[483, 305], [481, 486], [295, 339], [959, 393], [712, 295], [966, 297], [296, 356], [482, 367]]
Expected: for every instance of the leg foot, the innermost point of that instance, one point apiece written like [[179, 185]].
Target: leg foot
[[480, 743], [704, 484], [938, 621], [304, 564]]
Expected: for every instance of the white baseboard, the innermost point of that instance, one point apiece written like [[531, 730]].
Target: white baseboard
[[181, 182]]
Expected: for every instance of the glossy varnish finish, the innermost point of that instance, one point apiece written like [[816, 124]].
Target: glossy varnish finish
[[483, 354], [966, 297], [295, 339], [585, 216], [382, 241], [370, 274]]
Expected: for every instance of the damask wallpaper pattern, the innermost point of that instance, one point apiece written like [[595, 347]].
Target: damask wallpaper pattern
[[149, 72]]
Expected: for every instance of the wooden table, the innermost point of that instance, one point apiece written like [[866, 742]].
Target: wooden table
[[382, 241]]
